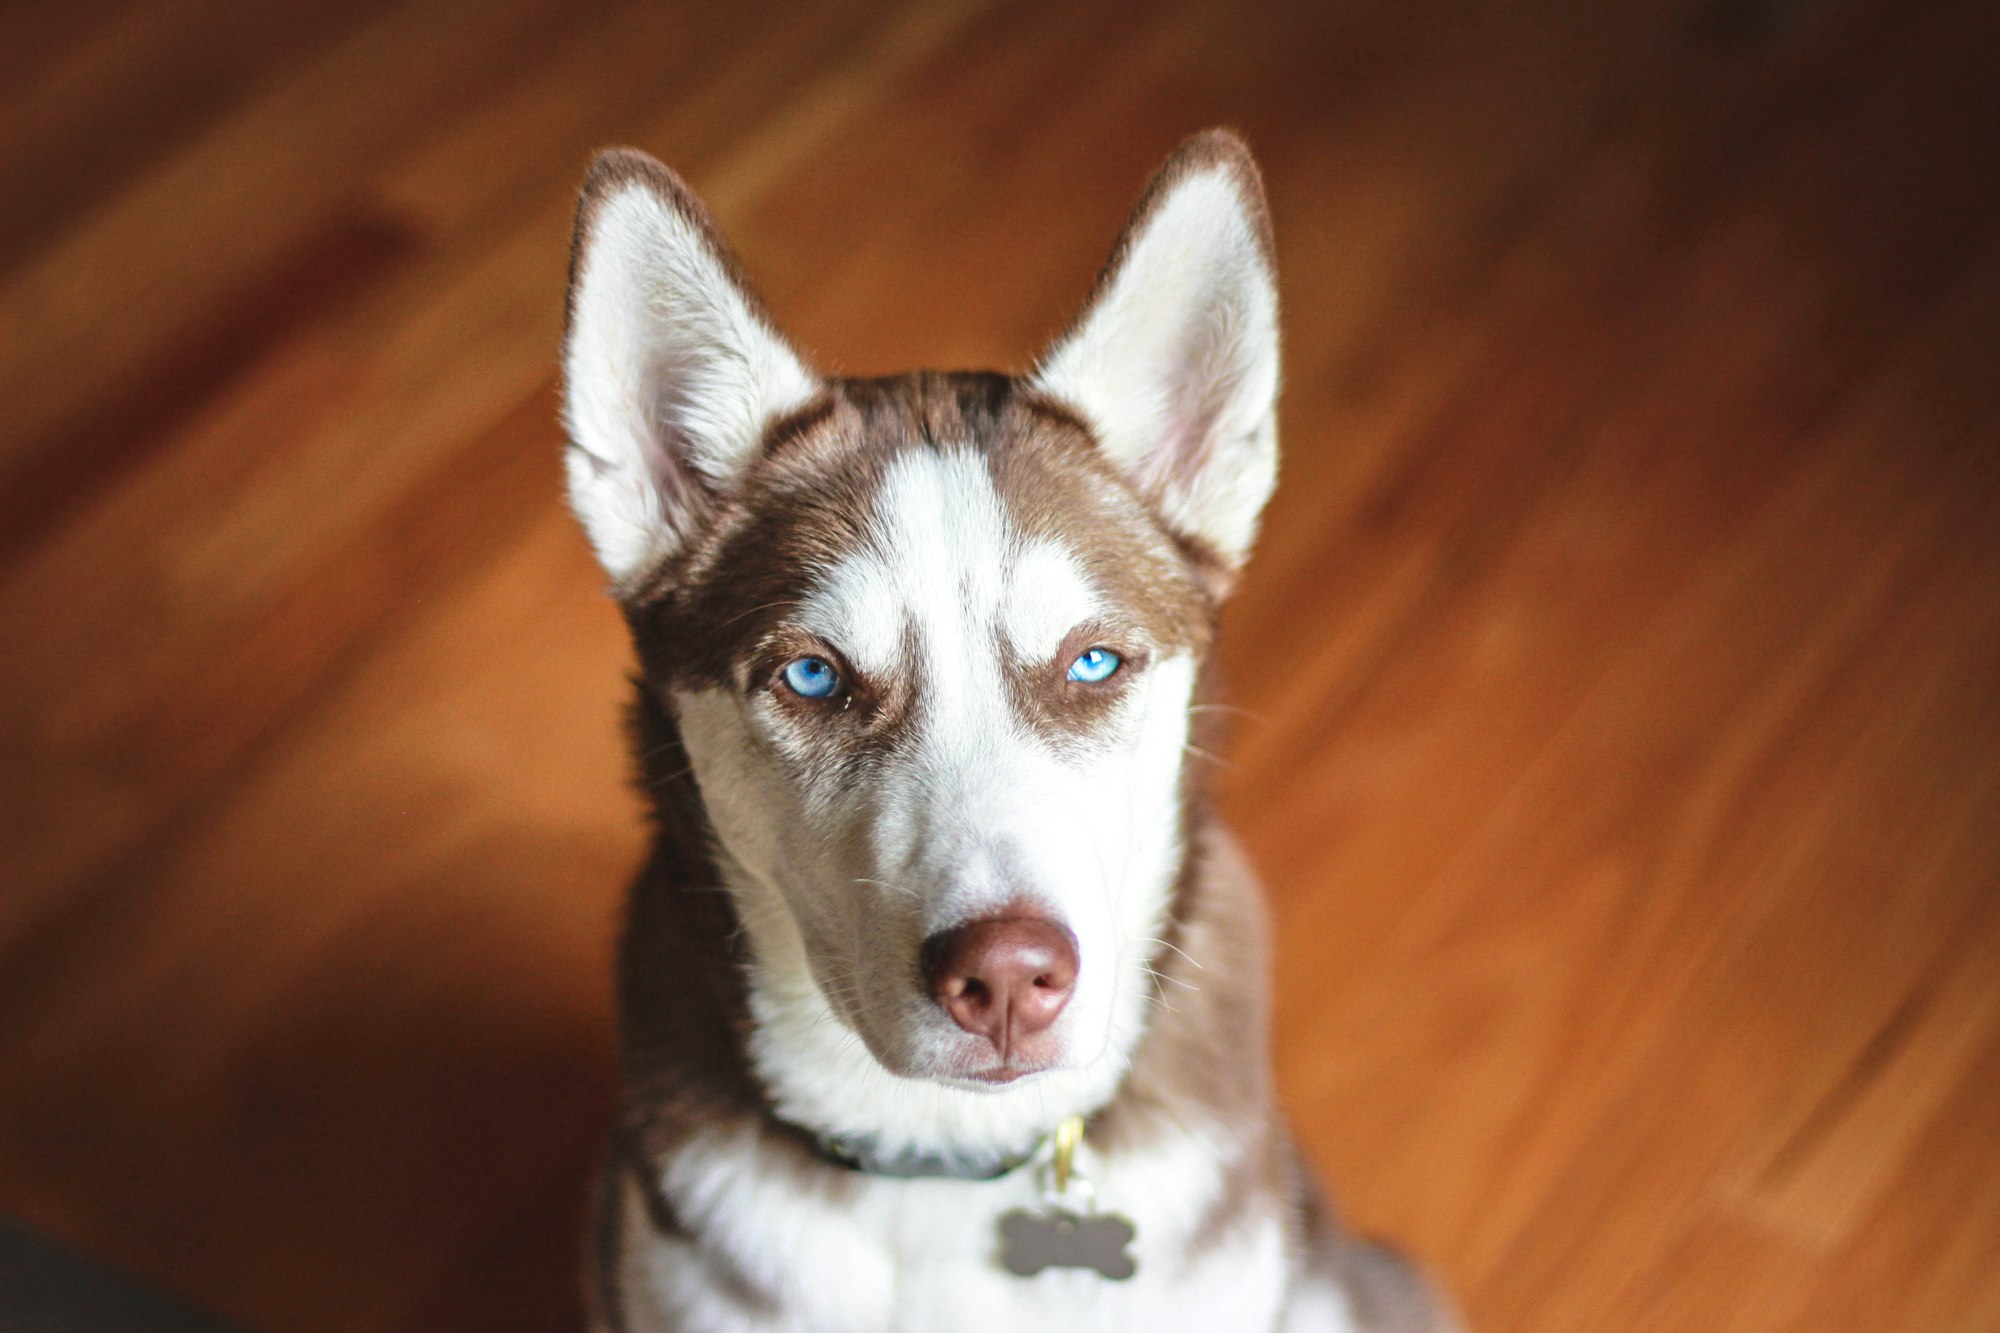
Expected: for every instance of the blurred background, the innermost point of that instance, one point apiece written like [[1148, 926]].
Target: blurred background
[[1620, 672]]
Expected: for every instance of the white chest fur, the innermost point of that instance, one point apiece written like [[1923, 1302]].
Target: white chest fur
[[887, 1255]]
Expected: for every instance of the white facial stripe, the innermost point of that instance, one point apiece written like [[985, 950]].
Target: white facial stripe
[[1048, 595], [945, 563]]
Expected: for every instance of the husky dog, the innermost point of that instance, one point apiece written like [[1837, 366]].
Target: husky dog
[[943, 994]]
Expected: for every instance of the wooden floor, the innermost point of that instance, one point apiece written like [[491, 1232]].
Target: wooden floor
[[1621, 666]]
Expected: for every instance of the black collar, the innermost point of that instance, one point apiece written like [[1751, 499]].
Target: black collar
[[869, 1158]]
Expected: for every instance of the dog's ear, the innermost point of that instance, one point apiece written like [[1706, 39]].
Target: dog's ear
[[671, 370], [1174, 360]]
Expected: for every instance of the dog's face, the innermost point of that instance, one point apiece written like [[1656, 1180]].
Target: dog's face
[[932, 642], [946, 680]]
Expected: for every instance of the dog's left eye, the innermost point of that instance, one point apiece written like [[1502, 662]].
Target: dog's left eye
[[811, 677], [1095, 666]]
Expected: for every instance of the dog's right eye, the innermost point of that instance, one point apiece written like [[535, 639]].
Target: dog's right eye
[[811, 677]]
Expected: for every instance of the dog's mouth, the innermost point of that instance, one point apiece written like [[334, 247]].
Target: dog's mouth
[[1004, 1072], [979, 1066]]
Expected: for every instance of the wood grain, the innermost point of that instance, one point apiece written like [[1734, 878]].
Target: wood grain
[[1619, 674]]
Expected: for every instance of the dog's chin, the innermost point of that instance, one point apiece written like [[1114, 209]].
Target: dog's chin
[[973, 1072]]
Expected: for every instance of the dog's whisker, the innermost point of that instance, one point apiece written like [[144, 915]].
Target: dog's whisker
[[899, 889], [1158, 975], [1169, 944], [675, 776], [785, 603], [1207, 757]]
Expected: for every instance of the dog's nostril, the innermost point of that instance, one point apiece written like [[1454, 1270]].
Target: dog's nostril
[[1002, 978]]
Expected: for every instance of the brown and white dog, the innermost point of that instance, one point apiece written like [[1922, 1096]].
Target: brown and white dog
[[920, 659]]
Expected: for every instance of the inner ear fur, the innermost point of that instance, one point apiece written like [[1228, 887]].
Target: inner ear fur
[[672, 368], [1173, 361]]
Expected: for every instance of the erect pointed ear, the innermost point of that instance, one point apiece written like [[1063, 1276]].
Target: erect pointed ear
[[1174, 360], [672, 372]]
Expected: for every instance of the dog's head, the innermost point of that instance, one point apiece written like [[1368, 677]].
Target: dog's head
[[931, 642]]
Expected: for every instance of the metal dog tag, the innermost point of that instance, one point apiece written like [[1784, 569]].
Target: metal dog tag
[[1031, 1242], [1060, 1237]]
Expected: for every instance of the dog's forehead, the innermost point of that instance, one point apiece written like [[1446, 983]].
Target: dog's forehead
[[910, 505], [946, 564]]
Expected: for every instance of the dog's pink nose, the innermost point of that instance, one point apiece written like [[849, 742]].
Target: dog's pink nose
[[1004, 978]]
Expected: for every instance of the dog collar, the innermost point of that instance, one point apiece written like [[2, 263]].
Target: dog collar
[[1056, 1235], [870, 1158]]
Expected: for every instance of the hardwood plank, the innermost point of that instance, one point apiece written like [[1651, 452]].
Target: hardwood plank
[[108, 443], [116, 289], [145, 80]]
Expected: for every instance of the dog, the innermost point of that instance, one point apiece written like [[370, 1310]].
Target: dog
[[942, 993]]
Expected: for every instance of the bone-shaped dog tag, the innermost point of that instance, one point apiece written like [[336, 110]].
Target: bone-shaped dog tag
[[1058, 1238]]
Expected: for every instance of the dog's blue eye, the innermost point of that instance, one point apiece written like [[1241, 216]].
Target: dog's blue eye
[[812, 677], [1099, 664]]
